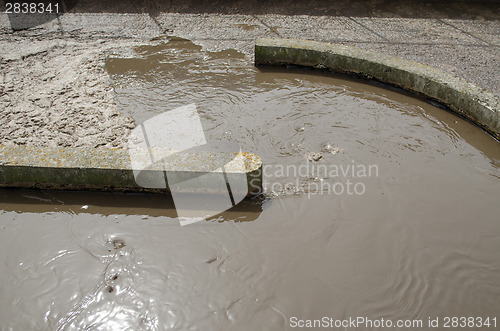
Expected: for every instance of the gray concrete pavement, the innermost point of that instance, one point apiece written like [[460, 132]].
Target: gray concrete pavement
[[55, 91]]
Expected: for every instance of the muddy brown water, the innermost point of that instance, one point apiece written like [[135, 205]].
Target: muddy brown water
[[416, 237]]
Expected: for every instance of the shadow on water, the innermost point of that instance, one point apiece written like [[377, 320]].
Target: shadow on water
[[108, 203]]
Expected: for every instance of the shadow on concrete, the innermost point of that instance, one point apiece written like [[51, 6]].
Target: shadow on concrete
[[28, 14], [453, 9]]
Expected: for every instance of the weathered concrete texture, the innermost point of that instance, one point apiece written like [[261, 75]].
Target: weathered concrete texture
[[486, 31], [110, 168], [459, 9], [467, 48], [215, 32], [478, 64], [477, 104], [405, 30], [137, 26]]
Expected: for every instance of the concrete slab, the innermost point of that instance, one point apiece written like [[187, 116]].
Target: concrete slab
[[98, 25], [487, 31], [320, 28], [212, 26], [215, 31], [414, 30], [473, 63]]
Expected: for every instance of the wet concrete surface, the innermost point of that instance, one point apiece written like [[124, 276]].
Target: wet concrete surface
[[420, 241]]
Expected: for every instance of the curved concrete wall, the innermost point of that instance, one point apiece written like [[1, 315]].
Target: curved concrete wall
[[474, 103]]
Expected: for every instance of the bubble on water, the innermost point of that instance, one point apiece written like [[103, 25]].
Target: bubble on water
[[313, 156], [118, 243], [331, 148]]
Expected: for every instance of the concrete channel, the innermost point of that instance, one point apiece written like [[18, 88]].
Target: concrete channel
[[476, 104]]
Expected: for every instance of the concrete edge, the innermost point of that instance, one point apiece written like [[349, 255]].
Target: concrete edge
[[478, 105], [109, 169]]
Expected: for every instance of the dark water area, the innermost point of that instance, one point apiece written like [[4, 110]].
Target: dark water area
[[398, 218]]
